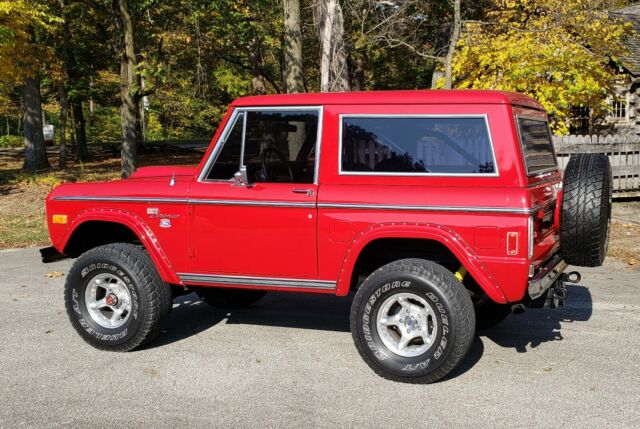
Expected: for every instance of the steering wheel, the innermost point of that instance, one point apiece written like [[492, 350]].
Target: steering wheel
[[279, 158]]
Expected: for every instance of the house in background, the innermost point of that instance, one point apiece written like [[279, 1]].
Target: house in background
[[624, 106], [624, 117]]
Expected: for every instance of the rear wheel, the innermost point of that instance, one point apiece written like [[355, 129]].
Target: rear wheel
[[586, 209], [412, 321], [228, 298]]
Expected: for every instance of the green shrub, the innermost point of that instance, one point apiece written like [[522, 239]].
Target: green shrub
[[11, 141]]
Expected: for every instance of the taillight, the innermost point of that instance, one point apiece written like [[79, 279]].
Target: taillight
[[556, 211], [530, 237]]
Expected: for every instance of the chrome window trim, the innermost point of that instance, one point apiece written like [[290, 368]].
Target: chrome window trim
[[229, 126], [258, 281], [524, 161], [409, 116]]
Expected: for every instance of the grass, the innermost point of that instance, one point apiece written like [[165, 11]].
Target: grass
[[22, 196]]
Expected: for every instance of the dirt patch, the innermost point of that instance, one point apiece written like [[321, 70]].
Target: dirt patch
[[624, 242]]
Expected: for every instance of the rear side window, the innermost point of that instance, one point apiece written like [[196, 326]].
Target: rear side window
[[536, 146], [416, 145]]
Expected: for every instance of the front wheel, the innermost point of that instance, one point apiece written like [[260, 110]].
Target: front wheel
[[412, 321], [115, 297]]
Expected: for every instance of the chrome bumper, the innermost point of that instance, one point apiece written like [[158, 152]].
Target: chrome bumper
[[546, 276]]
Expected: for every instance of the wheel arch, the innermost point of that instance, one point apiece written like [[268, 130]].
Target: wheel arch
[[424, 239], [97, 227]]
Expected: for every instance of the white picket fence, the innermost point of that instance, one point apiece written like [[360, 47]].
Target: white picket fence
[[623, 152]]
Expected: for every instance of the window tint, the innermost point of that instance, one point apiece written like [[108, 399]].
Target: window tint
[[416, 145], [280, 146], [536, 145], [228, 161]]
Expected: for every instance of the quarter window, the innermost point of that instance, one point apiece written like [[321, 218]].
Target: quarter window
[[539, 155], [416, 145], [228, 161]]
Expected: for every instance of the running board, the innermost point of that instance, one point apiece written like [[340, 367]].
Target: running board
[[189, 278]]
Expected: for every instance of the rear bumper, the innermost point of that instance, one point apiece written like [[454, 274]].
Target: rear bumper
[[546, 276]]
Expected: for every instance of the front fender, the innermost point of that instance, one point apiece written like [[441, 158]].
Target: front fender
[[137, 225], [426, 231]]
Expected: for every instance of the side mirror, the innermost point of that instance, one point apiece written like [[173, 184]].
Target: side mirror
[[240, 178]]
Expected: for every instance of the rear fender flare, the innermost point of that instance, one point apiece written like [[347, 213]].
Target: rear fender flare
[[139, 228], [426, 231]]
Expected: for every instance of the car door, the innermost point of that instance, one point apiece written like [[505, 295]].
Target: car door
[[261, 223]]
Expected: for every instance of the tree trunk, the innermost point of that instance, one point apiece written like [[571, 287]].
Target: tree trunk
[[128, 105], [139, 115], [334, 74], [75, 103], [62, 159], [455, 35], [358, 73], [82, 154], [293, 47], [255, 64], [35, 155]]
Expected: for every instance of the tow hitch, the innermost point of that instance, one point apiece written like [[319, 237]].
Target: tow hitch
[[556, 295]]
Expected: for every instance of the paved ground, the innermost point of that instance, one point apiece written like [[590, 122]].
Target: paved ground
[[289, 362]]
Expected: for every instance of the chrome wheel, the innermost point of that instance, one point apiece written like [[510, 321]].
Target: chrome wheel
[[108, 300], [406, 324]]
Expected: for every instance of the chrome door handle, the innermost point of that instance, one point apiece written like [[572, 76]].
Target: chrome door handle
[[309, 192]]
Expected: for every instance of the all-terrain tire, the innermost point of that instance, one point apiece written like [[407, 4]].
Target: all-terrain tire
[[586, 209], [131, 271], [452, 320], [229, 298]]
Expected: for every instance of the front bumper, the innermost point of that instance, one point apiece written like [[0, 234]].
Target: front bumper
[[51, 254], [546, 276]]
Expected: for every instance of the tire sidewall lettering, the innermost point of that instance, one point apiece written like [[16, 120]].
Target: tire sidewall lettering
[[93, 330], [432, 357]]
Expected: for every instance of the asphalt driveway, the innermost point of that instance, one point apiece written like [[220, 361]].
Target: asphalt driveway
[[289, 362]]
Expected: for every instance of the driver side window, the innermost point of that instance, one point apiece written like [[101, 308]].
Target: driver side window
[[280, 145]]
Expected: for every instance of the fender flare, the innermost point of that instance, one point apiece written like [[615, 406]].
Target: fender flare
[[136, 224], [427, 231]]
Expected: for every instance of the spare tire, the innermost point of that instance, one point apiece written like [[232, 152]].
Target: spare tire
[[586, 209]]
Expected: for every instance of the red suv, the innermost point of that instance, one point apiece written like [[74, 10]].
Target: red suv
[[441, 211]]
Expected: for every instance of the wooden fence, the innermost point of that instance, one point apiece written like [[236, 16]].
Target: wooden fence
[[623, 152]]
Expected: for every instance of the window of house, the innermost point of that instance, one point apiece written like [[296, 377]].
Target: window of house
[[416, 145], [580, 120], [619, 107]]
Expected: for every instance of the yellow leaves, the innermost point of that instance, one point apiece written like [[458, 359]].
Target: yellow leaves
[[556, 55], [19, 50]]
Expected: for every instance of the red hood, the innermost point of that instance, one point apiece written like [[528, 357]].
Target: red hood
[[163, 171]]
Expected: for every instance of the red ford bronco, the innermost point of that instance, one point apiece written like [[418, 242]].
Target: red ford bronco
[[441, 211]]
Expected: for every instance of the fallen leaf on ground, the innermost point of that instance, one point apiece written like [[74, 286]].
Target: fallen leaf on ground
[[51, 274]]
